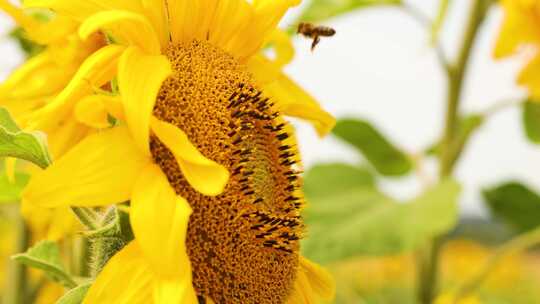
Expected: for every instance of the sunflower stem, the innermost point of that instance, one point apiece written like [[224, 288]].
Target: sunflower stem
[[87, 217], [17, 288], [428, 265]]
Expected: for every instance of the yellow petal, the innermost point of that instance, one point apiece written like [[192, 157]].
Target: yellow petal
[[283, 48], [203, 174], [64, 136], [176, 290], [79, 10], [33, 78], [126, 27], [320, 280], [312, 284], [96, 70], [231, 24], [54, 30], [140, 77], [18, 15], [126, 279], [190, 19], [100, 170], [302, 292], [268, 13], [156, 12], [289, 98], [159, 219], [92, 112]]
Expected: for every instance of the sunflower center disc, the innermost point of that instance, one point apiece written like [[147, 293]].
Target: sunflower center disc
[[243, 244]]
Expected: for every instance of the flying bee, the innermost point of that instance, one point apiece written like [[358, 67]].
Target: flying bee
[[315, 32]]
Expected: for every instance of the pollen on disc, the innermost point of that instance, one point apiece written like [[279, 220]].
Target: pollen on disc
[[243, 244]]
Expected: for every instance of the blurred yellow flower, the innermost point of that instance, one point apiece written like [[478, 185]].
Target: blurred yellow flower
[[520, 29], [463, 259], [49, 293], [38, 83], [449, 298], [31, 90], [199, 141]]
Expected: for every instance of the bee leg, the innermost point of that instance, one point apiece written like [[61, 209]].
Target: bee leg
[[316, 41]]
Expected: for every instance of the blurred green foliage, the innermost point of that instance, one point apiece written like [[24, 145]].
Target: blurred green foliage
[[383, 155], [29, 47], [318, 10], [466, 128], [10, 191], [531, 120], [347, 216], [514, 203]]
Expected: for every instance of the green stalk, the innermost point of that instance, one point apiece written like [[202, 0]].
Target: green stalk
[[457, 74], [87, 217], [429, 266], [17, 287]]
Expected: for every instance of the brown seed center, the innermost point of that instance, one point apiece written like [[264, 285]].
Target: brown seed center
[[243, 244]]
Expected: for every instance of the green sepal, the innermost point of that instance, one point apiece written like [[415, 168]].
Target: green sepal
[[75, 295], [114, 233]]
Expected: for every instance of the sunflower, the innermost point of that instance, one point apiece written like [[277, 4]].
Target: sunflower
[[200, 149], [30, 90], [521, 29]]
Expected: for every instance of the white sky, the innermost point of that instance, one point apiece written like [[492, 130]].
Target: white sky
[[380, 66]]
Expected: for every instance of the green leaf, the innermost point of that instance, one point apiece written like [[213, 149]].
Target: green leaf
[[319, 10], [14, 142], [45, 256], [531, 120], [363, 221], [11, 192], [515, 204], [384, 156], [75, 295], [337, 178], [466, 128]]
